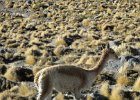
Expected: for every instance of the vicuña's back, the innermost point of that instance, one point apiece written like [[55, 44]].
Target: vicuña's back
[[68, 78]]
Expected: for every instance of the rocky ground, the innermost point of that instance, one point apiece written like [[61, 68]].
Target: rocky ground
[[37, 33]]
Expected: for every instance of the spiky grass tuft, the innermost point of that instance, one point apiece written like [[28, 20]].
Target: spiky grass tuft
[[25, 90], [30, 59], [59, 96], [116, 94], [89, 97], [122, 80], [10, 74], [136, 86], [104, 90]]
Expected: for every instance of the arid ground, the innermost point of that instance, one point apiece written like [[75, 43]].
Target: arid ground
[[35, 34]]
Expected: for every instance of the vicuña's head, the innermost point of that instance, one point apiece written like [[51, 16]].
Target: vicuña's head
[[110, 53]]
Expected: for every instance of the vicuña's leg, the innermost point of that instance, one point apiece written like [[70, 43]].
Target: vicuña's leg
[[77, 95], [44, 88], [44, 95]]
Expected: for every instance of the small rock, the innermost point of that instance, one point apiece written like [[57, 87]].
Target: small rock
[[3, 69], [132, 73], [31, 26], [69, 40], [133, 51], [114, 43], [6, 84], [132, 60], [28, 2]]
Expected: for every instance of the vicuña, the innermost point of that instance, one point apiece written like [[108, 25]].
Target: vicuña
[[69, 78]]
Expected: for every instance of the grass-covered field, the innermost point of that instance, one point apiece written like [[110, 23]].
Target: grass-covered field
[[35, 34]]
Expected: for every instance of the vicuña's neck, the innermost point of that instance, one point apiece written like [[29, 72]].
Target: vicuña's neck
[[101, 63]]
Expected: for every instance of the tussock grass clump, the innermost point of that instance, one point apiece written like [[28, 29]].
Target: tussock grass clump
[[70, 58], [36, 69], [7, 95], [59, 96], [136, 86], [43, 58], [19, 74], [60, 41], [25, 90], [137, 45], [28, 51], [83, 59], [14, 89], [116, 94], [121, 49], [123, 69], [122, 80], [129, 38], [136, 98], [10, 74], [104, 90], [30, 59], [34, 40], [92, 60], [89, 97], [21, 92], [57, 51], [86, 22], [137, 67]]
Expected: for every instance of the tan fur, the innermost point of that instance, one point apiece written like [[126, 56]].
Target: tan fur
[[36, 78], [47, 88], [75, 73], [100, 64], [68, 78]]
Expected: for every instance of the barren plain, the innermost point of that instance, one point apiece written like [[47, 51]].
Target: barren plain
[[35, 34]]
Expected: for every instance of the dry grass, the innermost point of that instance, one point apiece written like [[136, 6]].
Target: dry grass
[[136, 98], [92, 60], [137, 67], [104, 90], [14, 89], [116, 94], [34, 40], [30, 59], [43, 58], [121, 49], [59, 96], [123, 68], [89, 97], [137, 45], [136, 86], [96, 42], [70, 58], [28, 51], [25, 90], [57, 51], [83, 59], [122, 80], [10, 74], [7, 95], [18, 92], [36, 69], [60, 41], [129, 38], [86, 22]]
